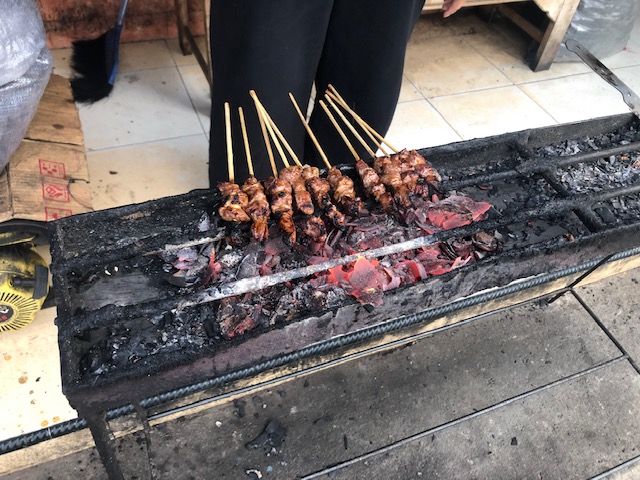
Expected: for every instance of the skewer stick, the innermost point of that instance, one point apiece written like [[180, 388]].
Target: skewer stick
[[245, 137], [348, 124], [359, 119], [267, 143], [310, 132], [273, 128], [379, 145], [335, 124], [274, 137], [227, 124]]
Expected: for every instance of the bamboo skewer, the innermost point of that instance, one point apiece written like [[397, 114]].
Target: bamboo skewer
[[359, 119], [227, 124], [340, 131], [265, 135], [245, 137], [379, 145], [310, 132], [348, 124], [273, 127], [274, 137]]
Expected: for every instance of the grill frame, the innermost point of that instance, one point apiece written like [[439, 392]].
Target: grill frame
[[130, 386]]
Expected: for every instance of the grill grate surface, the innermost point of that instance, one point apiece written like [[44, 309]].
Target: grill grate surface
[[557, 203]]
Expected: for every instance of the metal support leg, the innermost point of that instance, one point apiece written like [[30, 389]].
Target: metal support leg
[[105, 443]]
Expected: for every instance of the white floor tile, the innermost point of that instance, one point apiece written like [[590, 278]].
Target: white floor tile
[[418, 125], [137, 56], [491, 112], [630, 56], [576, 98], [199, 92], [138, 173], [144, 106], [507, 50], [631, 77], [408, 91], [31, 394], [178, 57], [449, 65]]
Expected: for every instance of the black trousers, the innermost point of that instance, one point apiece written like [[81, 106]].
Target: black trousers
[[279, 46]]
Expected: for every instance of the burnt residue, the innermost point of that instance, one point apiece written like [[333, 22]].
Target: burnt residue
[[539, 227]]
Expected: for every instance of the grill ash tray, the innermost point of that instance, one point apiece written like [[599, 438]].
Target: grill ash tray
[[561, 196]]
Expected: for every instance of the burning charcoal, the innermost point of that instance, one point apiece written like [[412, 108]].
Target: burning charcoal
[[486, 242], [249, 265], [237, 318]]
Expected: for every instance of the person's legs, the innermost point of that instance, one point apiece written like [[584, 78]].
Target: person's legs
[[363, 58], [272, 47]]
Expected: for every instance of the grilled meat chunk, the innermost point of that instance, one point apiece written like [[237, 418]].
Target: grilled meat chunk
[[320, 188], [389, 170], [293, 175], [281, 205], [313, 227], [257, 208], [236, 201], [374, 186]]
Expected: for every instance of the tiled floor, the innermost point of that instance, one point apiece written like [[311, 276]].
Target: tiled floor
[[464, 79]]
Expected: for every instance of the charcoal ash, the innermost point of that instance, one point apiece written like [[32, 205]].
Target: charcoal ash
[[512, 195], [126, 342], [620, 211], [623, 136], [605, 173]]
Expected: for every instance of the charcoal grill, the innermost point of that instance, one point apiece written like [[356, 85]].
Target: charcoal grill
[[566, 199]]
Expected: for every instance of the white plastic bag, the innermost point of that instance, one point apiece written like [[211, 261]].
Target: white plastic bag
[[602, 26], [25, 68]]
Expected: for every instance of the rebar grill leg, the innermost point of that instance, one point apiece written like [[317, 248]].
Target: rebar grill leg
[[105, 443]]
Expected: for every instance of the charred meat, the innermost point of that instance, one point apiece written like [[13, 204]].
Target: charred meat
[[236, 201], [282, 206], [293, 175], [374, 186], [257, 208]]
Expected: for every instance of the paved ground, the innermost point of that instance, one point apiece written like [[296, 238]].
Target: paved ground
[[537, 391]]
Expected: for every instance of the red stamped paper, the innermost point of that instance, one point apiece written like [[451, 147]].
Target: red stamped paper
[[55, 192], [56, 213], [51, 169]]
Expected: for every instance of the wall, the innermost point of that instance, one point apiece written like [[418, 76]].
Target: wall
[[69, 20]]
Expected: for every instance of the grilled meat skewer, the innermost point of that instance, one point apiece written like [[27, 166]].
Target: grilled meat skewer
[[374, 186], [411, 160], [281, 205], [389, 170], [344, 191], [258, 208], [236, 201], [320, 188], [293, 175], [314, 228]]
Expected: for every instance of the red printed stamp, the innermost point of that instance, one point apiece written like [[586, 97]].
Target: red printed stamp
[[51, 169], [56, 213], [55, 192]]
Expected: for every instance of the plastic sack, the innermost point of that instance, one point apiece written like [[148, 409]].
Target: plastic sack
[[25, 68], [602, 26]]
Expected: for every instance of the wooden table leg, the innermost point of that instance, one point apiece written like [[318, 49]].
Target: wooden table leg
[[554, 35], [182, 15]]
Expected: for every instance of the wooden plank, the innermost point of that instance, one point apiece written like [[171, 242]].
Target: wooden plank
[[554, 35]]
